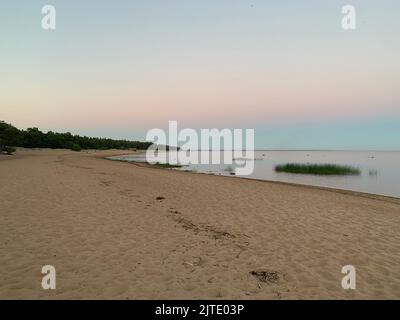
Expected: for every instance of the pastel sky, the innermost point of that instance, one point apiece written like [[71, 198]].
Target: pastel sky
[[285, 68]]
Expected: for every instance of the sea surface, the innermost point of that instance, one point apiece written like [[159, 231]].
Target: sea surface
[[380, 170]]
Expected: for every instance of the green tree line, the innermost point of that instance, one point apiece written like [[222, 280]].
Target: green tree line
[[11, 136]]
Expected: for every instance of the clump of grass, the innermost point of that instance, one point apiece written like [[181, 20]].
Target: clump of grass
[[166, 165], [321, 169], [266, 276], [373, 172]]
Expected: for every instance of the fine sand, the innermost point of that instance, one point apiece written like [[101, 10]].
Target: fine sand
[[116, 230]]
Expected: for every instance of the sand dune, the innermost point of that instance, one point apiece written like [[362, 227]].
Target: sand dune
[[101, 225]]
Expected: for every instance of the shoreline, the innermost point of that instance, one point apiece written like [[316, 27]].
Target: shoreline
[[374, 196]]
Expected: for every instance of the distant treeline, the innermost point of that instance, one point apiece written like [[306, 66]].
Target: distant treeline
[[11, 136]]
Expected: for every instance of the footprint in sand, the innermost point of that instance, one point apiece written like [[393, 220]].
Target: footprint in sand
[[106, 183]]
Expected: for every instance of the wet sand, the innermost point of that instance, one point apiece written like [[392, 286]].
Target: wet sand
[[115, 230]]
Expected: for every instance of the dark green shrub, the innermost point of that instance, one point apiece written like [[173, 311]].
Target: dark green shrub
[[76, 147], [7, 150], [10, 150]]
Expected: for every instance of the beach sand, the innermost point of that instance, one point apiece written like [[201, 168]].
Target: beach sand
[[100, 224]]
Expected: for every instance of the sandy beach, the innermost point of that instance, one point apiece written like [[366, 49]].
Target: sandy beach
[[116, 230]]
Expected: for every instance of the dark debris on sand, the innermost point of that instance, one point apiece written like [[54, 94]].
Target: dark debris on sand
[[266, 276]]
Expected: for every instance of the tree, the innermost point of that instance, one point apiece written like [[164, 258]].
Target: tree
[[34, 138], [9, 136]]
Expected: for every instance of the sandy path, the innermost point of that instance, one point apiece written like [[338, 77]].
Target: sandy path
[[100, 224]]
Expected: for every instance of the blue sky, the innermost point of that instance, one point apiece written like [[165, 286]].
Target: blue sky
[[285, 68]]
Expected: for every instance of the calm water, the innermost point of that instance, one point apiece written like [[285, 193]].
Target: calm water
[[380, 171]]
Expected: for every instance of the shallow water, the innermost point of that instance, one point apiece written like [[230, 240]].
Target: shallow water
[[380, 170]]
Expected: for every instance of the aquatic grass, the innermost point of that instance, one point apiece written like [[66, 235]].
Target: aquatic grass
[[165, 165], [319, 169], [229, 169], [373, 172]]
